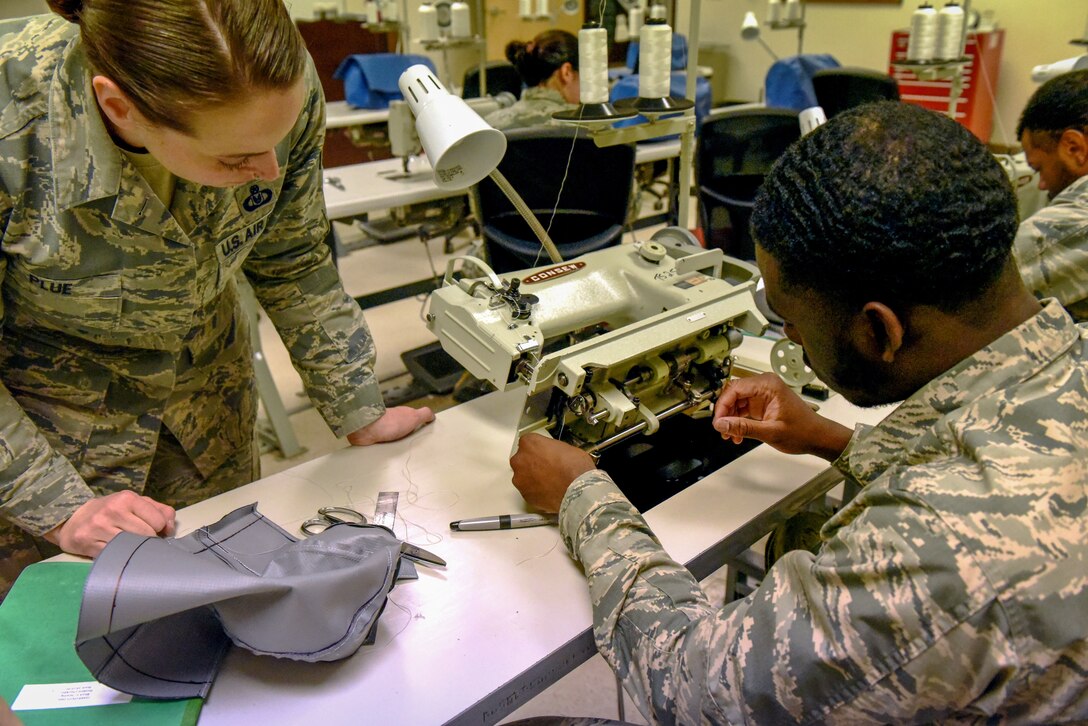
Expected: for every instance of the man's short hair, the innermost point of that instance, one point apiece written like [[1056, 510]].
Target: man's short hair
[[1059, 104], [888, 202]]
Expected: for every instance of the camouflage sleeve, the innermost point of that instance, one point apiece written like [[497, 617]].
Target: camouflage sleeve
[[39, 488], [889, 623], [296, 281], [1051, 250]]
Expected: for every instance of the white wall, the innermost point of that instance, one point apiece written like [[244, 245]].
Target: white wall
[[22, 8], [1036, 31]]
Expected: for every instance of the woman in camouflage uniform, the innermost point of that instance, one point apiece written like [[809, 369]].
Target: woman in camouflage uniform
[[548, 66], [151, 151]]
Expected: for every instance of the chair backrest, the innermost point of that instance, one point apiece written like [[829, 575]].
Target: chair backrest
[[838, 89], [501, 76], [789, 80], [589, 213], [736, 149]]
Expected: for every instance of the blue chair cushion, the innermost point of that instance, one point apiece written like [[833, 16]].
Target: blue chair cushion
[[370, 80]]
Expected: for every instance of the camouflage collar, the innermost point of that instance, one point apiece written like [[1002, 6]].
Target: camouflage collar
[[86, 163], [1013, 358], [542, 93], [1072, 194]]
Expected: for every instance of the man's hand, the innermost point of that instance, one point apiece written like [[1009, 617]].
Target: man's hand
[[98, 521], [544, 468], [765, 408], [395, 424]]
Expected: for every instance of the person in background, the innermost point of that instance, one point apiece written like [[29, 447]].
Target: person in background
[[952, 588], [548, 65], [1051, 246], [150, 152]]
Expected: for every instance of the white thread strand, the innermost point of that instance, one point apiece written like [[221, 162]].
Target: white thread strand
[[949, 31], [654, 60], [428, 23], [593, 65], [922, 45], [460, 24]]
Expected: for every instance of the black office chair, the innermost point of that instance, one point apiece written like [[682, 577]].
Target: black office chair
[[501, 76], [838, 89], [589, 215], [736, 150]]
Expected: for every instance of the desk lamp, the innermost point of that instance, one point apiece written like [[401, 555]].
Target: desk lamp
[[749, 30], [460, 145]]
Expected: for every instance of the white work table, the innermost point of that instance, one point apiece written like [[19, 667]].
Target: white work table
[[338, 115], [374, 186], [511, 613]]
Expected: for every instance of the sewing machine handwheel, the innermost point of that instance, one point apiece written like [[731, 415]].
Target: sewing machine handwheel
[[788, 361]]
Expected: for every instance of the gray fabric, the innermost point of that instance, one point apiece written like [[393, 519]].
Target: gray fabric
[[158, 614]]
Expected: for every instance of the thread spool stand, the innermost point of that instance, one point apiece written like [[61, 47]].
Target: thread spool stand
[[597, 117], [945, 69], [797, 24]]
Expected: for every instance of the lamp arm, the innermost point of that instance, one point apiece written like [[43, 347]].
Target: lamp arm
[[527, 215]]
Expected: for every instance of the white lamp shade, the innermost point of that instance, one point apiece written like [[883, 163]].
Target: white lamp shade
[[749, 29], [460, 145]]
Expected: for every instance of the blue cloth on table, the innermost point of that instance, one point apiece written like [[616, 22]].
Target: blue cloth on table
[[370, 80], [627, 87], [789, 80]]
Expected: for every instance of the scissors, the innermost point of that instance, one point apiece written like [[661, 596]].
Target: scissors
[[328, 516]]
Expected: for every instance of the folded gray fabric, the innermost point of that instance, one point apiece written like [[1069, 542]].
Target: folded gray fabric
[[158, 614]]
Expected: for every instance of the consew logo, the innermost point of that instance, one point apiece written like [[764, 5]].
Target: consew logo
[[257, 198], [553, 272]]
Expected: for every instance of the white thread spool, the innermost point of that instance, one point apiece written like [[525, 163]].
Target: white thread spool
[[949, 31], [370, 11], [922, 45], [622, 34], [593, 65], [634, 21], [428, 23], [793, 10], [525, 9], [774, 11], [389, 11], [654, 59], [542, 9], [460, 22], [656, 12]]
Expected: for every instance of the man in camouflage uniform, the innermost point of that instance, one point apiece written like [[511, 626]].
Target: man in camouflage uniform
[[1052, 245], [953, 588], [124, 358]]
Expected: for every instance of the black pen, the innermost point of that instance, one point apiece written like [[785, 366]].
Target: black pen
[[504, 521]]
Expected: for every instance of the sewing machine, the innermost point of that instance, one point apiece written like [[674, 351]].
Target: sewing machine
[[609, 344]]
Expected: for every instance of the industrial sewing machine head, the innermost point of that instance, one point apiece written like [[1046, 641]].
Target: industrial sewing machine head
[[607, 344]]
